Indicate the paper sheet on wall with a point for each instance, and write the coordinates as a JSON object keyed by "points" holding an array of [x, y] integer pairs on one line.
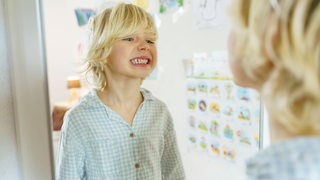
{"points": [[210, 13], [223, 119]]}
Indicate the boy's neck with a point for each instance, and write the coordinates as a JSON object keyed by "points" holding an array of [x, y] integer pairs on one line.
{"points": [[121, 93], [124, 101]]}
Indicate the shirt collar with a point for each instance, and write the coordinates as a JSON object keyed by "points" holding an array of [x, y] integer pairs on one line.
{"points": [[92, 99], [147, 96]]}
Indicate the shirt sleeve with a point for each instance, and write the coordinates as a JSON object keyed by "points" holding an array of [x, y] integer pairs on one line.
{"points": [[71, 154], [171, 164]]}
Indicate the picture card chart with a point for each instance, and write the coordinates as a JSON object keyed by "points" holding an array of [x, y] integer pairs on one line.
{"points": [[223, 119]]}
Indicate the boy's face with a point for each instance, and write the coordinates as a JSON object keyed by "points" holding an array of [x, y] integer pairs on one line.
{"points": [[133, 56]]}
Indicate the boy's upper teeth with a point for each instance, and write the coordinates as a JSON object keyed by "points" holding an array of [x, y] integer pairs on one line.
{"points": [[139, 61]]}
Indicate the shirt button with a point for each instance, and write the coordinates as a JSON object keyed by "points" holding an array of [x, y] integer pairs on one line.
{"points": [[131, 135], [137, 165]]}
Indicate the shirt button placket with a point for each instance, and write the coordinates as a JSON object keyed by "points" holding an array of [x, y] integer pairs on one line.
{"points": [[136, 165]]}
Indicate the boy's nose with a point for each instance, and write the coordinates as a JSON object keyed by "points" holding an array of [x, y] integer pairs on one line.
{"points": [[144, 46]]}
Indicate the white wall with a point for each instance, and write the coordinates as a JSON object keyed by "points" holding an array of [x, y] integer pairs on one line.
{"points": [[61, 34]]}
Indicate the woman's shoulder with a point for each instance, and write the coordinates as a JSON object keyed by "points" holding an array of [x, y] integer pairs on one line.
{"points": [[291, 151]]}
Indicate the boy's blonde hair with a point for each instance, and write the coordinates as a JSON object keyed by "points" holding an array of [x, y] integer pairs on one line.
{"points": [[106, 28], [278, 42]]}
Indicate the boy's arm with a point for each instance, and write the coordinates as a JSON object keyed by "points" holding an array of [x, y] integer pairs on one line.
{"points": [[171, 164], [71, 154]]}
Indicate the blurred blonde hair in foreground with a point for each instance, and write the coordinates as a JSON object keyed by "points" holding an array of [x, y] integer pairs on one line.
{"points": [[278, 44]]}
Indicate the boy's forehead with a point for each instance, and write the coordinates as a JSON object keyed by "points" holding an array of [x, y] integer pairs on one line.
{"points": [[139, 32]]}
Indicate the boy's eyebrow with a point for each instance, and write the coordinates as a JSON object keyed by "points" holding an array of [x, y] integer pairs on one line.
{"points": [[146, 34], [132, 34]]}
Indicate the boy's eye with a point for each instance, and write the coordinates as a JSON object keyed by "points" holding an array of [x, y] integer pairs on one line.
{"points": [[150, 42], [128, 39]]}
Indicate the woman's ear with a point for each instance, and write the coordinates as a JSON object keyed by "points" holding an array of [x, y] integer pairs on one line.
{"points": [[269, 52], [235, 59], [272, 40]]}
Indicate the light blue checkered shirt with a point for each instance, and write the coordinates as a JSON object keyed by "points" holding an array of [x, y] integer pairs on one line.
{"points": [[295, 159], [96, 143]]}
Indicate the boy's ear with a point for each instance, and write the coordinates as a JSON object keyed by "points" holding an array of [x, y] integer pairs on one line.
{"points": [[105, 61]]}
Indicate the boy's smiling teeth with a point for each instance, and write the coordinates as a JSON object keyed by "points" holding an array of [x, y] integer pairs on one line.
{"points": [[139, 61]]}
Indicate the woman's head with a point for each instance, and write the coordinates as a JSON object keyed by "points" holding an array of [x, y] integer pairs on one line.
{"points": [[108, 27], [275, 48]]}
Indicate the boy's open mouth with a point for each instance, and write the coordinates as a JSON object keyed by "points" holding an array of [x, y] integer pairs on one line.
{"points": [[140, 61]]}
